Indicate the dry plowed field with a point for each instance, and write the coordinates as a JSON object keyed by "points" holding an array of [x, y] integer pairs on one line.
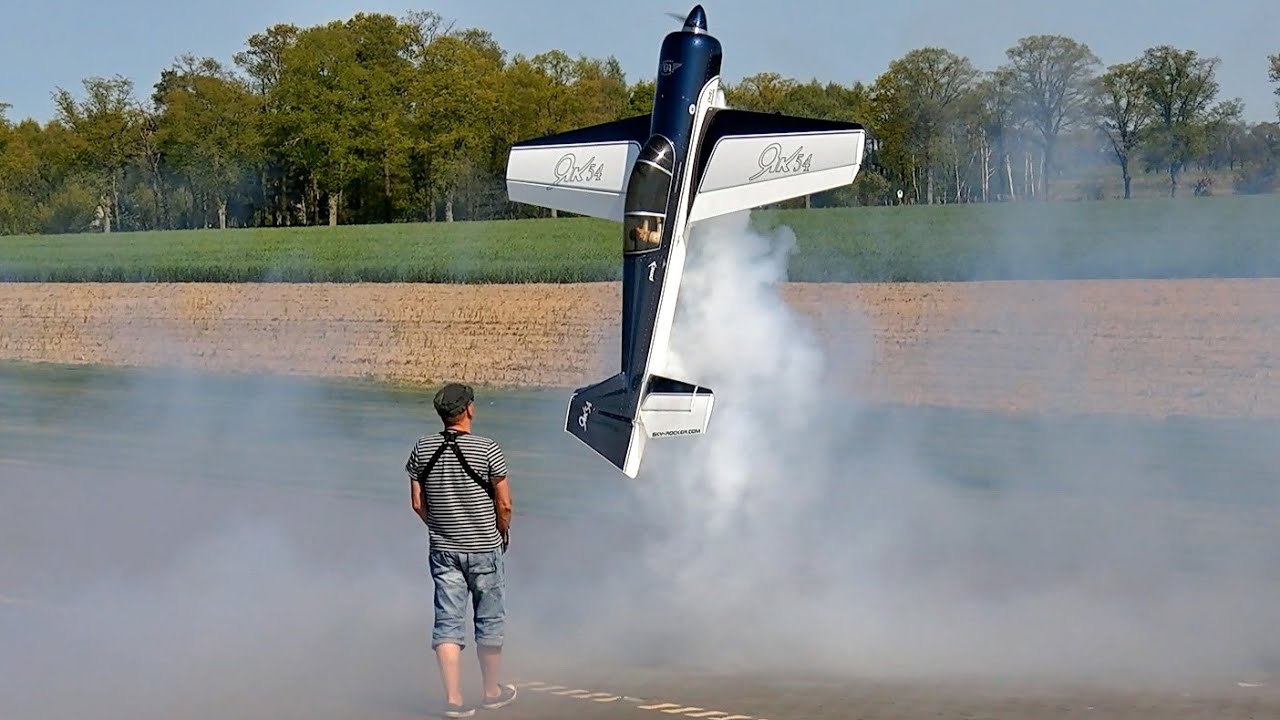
{"points": [[1196, 347]]}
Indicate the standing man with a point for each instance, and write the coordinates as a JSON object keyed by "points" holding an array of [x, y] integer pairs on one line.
{"points": [[458, 482]]}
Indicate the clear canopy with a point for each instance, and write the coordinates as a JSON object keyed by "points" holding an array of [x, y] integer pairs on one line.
{"points": [[644, 215]]}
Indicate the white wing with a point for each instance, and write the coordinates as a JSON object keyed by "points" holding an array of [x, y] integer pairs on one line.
{"points": [[753, 159], [583, 171]]}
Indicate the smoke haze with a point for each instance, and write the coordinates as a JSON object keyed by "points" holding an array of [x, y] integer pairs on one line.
{"points": [[193, 551], [791, 548], [212, 553]]}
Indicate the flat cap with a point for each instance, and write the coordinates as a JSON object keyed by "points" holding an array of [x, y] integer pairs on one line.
{"points": [[453, 399]]}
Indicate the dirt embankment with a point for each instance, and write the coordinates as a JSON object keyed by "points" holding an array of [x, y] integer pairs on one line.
{"points": [[1199, 347]]}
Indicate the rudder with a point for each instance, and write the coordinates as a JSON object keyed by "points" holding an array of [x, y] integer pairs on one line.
{"points": [[674, 407]]}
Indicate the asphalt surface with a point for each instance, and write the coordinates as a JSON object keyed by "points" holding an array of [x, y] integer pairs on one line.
{"points": [[179, 599], [200, 549]]}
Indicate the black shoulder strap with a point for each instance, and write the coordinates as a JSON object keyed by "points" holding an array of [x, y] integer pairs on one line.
{"points": [[451, 441]]}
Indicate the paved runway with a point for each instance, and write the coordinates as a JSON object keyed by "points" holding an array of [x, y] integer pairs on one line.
{"points": [[201, 550], [176, 613]]}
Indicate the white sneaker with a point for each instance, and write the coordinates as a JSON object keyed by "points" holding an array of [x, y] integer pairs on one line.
{"points": [[505, 698]]}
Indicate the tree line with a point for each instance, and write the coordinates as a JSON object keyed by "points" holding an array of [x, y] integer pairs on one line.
{"points": [[381, 119]]}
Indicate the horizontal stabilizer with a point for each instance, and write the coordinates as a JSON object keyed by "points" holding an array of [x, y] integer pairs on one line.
{"points": [[583, 171], [673, 407], [751, 159], [597, 416]]}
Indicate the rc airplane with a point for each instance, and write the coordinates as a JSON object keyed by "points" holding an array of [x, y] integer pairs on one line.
{"points": [[690, 159]]}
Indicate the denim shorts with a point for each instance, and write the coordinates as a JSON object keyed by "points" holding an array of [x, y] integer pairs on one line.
{"points": [[479, 575]]}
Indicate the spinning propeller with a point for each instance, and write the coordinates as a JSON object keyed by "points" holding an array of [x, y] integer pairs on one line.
{"points": [[695, 19]]}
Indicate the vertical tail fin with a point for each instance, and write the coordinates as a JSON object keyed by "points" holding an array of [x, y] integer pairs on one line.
{"points": [[598, 416]]}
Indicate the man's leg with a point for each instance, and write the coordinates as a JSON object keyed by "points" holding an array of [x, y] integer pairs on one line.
{"points": [[448, 658], [490, 666], [447, 637], [488, 587]]}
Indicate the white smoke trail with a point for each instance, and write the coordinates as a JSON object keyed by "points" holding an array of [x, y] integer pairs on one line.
{"points": [[790, 544], [734, 500], [735, 334]]}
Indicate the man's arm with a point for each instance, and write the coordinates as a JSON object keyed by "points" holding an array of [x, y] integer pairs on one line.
{"points": [[502, 506], [417, 499], [501, 491], [413, 466]]}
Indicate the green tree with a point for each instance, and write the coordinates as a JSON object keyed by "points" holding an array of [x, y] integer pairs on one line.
{"points": [[206, 130], [640, 98], [1180, 86], [913, 102], [830, 101], [1273, 74], [602, 88], [47, 193], [384, 50], [1123, 113], [459, 110], [378, 119], [105, 132], [762, 92], [322, 116], [9, 215], [263, 62], [1261, 148], [1051, 76]]}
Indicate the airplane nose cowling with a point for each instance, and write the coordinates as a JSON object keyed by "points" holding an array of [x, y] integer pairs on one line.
{"points": [[697, 20]]}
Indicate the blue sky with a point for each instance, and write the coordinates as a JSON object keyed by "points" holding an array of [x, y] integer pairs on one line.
{"points": [[49, 43]]}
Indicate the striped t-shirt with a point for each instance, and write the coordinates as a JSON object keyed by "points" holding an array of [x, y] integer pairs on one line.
{"points": [[460, 514]]}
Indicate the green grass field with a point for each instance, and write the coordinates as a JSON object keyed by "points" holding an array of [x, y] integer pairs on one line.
{"points": [[1230, 236]]}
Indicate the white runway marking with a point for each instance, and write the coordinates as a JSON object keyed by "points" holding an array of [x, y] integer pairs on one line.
{"points": [[669, 708]]}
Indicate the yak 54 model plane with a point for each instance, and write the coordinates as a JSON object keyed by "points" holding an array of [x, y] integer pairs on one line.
{"points": [[691, 159]]}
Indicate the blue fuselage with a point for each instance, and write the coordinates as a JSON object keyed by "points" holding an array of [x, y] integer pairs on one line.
{"points": [[686, 62]]}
